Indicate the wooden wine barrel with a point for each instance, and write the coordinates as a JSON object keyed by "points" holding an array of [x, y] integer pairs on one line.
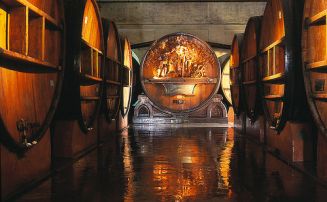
{"points": [[283, 89], [250, 68], [235, 74], [315, 60], [31, 69], [127, 75], [225, 80], [180, 73], [113, 89], [82, 89]]}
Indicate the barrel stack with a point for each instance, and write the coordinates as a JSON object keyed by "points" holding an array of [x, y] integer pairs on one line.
{"points": [[32, 42]]}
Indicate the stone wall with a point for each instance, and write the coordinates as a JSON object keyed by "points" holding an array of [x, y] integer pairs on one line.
{"points": [[211, 21]]}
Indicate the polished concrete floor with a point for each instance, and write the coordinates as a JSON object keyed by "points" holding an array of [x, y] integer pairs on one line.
{"points": [[178, 164]]}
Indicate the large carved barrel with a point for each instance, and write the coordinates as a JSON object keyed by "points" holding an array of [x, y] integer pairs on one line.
{"points": [[283, 89], [250, 68], [180, 73], [82, 92], [235, 74], [127, 76], [315, 59], [112, 70], [31, 69]]}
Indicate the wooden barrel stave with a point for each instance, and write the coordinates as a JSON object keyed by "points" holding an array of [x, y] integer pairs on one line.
{"points": [[30, 86], [314, 59], [82, 90], [283, 88], [112, 70], [250, 69], [235, 74]]}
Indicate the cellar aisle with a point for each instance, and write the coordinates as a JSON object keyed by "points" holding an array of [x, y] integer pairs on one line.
{"points": [[178, 164]]}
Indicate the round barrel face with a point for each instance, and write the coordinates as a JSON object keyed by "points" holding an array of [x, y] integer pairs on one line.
{"points": [[225, 81], [272, 63], [31, 61], [127, 77], [112, 71], [315, 60], [180, 73], [235, 73], [250, 69], [91, 59]]}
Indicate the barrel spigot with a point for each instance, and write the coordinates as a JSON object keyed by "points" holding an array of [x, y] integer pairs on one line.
{"points": [[23, 127]]}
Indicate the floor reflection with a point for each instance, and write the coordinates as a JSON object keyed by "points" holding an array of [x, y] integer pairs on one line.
{"points": [[178, 164]]}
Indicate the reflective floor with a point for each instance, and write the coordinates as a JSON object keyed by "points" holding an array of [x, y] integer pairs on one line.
{"points": [[178, 164]]}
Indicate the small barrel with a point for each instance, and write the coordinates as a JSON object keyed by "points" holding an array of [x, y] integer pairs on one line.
{"points": [[314, 54], [127, 76], [225, 79], [180, 73], [82, 91], [31, 69], [283, 91], [235, 74], [250, 68], [112, 70]]}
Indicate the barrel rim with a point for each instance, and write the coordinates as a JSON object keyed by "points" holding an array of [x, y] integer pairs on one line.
{"points": [[170, 111], [13, 145]]}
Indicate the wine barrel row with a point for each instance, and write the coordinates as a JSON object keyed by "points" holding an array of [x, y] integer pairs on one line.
{"points": [[266, 65], [58, 59]]}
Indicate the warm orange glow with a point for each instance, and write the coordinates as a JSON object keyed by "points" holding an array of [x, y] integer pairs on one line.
{"points": [[91, 28], [128, 167], [225, 160], [182, 175], [179, 56]]}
